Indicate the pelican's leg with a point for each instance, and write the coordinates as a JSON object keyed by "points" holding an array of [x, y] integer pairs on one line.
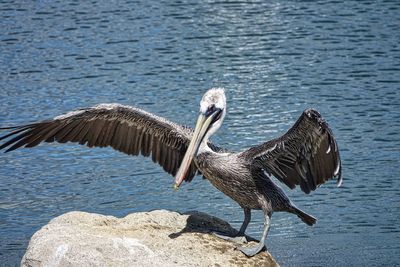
{"points": [[251, 251], [239, 237], [247, 218]]}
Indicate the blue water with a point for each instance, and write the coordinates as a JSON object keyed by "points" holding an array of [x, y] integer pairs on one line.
{"points": [[275, 59]]}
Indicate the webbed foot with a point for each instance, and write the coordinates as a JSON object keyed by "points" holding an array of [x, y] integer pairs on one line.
{"points": [[251, 251]]}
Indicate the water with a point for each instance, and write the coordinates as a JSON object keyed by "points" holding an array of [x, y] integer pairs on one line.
{"points": [[275, 59]]}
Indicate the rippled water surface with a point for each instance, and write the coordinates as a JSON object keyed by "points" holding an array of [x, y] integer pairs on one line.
{"points": [[275, 59]]}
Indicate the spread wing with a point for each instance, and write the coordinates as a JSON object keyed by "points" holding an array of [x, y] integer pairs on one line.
{"points": [[126, 129], [307, 155]]}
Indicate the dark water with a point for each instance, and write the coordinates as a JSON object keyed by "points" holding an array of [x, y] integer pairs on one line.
{"points": [[274, 59]]}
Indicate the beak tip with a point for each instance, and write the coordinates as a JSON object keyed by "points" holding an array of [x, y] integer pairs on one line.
{"points": [[176, 187]]}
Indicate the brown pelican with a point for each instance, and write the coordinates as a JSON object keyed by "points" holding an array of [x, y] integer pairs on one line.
{"points": [[307, 155]]}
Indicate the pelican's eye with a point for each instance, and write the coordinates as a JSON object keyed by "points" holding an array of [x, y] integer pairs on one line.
{"points": [[218, 116], [210, 110]]}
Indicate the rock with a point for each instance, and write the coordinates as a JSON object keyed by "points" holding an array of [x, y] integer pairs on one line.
{"points": [[156, 238]]}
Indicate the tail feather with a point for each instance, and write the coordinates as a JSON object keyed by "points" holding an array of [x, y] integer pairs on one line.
{"points": [[308, 219]]}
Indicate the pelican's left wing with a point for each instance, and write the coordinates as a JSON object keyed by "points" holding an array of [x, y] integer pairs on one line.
{"points": [[124, 128], [307, 155]]}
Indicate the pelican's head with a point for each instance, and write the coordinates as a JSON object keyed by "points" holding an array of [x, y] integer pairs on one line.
{"points": [[212, 113], [213, 104]]}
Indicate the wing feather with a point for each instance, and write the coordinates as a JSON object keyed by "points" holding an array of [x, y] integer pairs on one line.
{"points": [[127, 129], [307, 155]]}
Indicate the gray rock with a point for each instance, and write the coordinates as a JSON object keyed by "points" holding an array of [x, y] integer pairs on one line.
{"points": [[156, 238]]}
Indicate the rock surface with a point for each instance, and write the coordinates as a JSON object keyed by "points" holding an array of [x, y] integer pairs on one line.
{"points": [[157, 238]]}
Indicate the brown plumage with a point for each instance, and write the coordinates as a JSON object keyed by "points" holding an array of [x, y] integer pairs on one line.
{"points": [[126, 129], [307, 155]]}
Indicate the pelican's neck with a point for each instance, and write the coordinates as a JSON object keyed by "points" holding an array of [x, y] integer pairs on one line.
{"points": [[204, 148]]}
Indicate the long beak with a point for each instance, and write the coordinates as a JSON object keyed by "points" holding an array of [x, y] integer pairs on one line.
{"points": [[202, 125]]}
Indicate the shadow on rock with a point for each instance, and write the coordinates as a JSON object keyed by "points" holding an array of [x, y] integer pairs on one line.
{"points": [[199, 222]]}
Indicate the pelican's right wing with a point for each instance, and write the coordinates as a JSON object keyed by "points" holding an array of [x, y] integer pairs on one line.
{"points": [[124, 128], [307, 155]]}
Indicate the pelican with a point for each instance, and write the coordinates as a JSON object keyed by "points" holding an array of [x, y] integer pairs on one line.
{"points": [[306, 155]]}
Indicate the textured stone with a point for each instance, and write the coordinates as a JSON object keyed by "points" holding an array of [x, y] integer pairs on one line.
{"points": [[156, 238]]}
